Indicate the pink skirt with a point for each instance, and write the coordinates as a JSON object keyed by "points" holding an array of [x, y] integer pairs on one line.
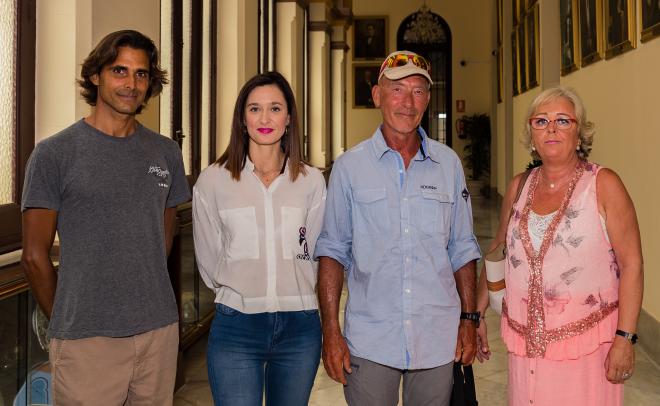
{"points": [[543, 382]]}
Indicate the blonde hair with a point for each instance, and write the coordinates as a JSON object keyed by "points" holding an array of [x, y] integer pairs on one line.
{"points": [[586, 128]]}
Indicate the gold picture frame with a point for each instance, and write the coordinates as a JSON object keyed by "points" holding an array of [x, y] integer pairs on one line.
{"points": [[590, 14], [515, 11], [522, 57], [620, 27], [532, 47], [650, 19], [500, 22], [515, 76], [569, 36], [500, 74]]}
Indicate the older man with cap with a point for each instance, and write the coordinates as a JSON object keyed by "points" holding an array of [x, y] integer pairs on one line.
{"points": [[398, 220]]}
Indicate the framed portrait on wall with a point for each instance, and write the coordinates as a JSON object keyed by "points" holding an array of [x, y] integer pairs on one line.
{"points": [[370, 38], [522, 58], [515, 76], [364, 78], [591, 40], [532, 42], [620, 26], [569, 37], [650, 19]]}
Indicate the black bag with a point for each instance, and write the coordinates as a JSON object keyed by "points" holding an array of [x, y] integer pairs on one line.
{"points": [[463, 392]]}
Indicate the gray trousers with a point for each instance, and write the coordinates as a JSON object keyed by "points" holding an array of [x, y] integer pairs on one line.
{"points": [[372, 384]]}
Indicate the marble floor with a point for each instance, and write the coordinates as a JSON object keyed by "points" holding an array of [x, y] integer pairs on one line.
{"points": [[643, 389]]}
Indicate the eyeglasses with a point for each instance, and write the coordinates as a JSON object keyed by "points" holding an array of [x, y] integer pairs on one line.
{"points": [[541, 123], [397, 60]]}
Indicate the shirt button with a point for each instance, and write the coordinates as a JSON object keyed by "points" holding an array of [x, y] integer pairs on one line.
{"points": [[400, 170], [408, 322], [531, 372], [405, 199], [407, 259], [405, 230], [407, 290]]}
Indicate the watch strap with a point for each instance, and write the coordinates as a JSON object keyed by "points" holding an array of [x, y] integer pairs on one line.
{"points": [[474, 316], [632, 337]]}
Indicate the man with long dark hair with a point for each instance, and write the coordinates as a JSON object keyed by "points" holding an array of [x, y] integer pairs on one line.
{"points": [[109, 187]]}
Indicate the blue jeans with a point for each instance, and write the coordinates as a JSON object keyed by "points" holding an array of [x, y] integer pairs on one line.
{"points": [[247, 352]]}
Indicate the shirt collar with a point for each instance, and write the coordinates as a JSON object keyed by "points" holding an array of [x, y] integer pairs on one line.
{"points": [[249, 165], [380, 146]]}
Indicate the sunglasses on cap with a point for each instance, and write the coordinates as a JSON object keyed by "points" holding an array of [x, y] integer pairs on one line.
{"points": [[398, 60]]}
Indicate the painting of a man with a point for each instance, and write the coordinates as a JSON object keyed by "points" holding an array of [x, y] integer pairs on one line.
{"points": [[365, 79], [369, 38]]}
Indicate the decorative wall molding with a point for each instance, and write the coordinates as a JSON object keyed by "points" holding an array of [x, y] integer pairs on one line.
{"points": [[302, 3], [339, 45], [320, 26]]}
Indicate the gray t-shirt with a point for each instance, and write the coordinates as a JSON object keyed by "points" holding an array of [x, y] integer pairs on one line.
{"points": [[110, 194]]}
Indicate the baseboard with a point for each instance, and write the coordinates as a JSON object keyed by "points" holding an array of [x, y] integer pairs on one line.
{"points": [[649, 335]]}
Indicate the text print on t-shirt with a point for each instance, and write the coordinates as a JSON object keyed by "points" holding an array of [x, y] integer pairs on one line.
{"points": [[162, 174]]}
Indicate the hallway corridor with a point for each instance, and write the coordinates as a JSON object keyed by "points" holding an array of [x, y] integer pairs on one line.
{"points": [[643, 389]]}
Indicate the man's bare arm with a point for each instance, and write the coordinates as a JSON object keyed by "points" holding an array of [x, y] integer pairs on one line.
{"points": [[335, 351], [466, 285], [39, 226]]}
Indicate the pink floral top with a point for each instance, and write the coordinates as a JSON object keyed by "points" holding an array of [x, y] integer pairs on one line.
{"points": [[561, 302]]}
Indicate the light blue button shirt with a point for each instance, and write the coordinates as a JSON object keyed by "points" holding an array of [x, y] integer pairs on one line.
{"points": [[400, 234]]}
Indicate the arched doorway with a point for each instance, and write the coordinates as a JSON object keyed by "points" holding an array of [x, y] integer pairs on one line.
{"points": [[428, 34]]}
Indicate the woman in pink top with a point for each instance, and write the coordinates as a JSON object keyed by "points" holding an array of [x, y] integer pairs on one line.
{"points": [[573, 272]]}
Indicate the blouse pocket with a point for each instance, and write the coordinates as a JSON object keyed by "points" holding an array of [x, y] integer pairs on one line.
{"points": [[240, 233], [294, 233], [371, 215]]}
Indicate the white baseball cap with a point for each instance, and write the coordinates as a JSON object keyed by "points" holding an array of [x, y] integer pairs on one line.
{"points": [[401, 64]]}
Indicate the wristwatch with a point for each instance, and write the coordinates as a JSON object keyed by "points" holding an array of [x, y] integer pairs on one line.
{"points": [[475, 317], [632, 337]]}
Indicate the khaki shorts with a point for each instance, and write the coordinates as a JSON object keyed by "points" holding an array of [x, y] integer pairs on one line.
{"points": [[135, 370]]}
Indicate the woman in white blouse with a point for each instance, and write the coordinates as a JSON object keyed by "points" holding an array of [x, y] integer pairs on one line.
{"points": [[257, 213]]}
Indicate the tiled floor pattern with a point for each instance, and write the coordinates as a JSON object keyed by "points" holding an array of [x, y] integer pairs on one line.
{"points": [[643, 389]]}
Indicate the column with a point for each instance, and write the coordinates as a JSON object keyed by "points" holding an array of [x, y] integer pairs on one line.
{"points": [[338, 56], [237, 43], [289, 47], [319, 83]]}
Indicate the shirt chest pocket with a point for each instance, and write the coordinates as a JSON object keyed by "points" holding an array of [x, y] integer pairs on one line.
{"points": [[371, 215], [240, 234], [431, 212]]}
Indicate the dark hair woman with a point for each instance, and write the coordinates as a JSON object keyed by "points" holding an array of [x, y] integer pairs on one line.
{"points": [[257, 213]]}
